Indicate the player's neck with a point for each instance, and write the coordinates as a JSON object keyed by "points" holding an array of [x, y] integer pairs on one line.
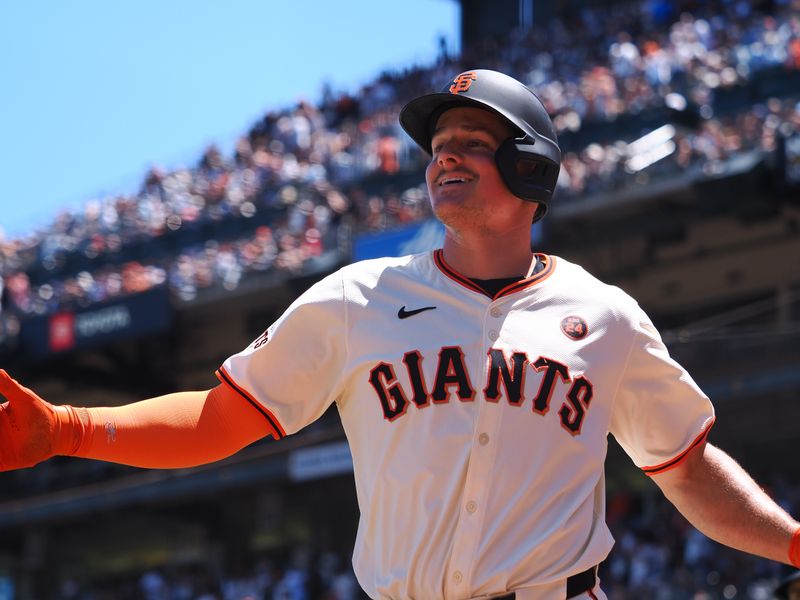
{"points": [[488, 258]]}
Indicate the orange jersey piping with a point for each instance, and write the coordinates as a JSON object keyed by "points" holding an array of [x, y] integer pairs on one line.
{"points": [[226, 378], [549, 266], [672, 463]]}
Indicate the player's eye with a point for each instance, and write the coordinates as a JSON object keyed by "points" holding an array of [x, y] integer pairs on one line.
{"points": [[477, 143]]}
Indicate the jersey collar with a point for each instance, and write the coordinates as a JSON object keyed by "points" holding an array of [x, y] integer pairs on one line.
{"points": [[549, 263]]}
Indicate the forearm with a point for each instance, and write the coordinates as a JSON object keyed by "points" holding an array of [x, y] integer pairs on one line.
{"points": [[183, 429], [719, 498]]}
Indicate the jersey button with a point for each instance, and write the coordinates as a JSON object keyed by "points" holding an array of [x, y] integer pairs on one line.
{"points": [[493, 335], [472, 506], [496, 312], [483, 439], [458, 577]]}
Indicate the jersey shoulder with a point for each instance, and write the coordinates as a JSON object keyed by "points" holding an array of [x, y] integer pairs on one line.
{"points": [[350, 283], [365, 268], [576, 284], [368, 272]]}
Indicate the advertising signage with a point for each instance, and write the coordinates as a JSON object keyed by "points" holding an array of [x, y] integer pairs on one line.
{"points": [[127, 318]]}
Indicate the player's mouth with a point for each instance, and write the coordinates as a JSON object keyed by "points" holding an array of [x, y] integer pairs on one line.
{"points": [[452, 180]]}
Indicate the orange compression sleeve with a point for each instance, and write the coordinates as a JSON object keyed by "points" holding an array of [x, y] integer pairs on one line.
{"points": [[794, 549], [178, 430]]}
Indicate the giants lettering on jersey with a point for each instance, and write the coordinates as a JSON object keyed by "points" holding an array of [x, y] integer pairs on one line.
{"points": [[505, 378]]}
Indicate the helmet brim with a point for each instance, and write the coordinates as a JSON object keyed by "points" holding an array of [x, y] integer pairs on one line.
{"points": [[418, 117]]}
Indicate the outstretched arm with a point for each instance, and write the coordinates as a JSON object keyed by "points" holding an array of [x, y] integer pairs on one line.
{"points": [[719, 498], [183, 429]]}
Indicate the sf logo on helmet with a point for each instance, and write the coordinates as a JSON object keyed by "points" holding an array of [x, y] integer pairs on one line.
{"points": [[462, 82]]}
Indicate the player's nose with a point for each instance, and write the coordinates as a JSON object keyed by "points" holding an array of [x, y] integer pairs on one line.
{"points": [[448, 152]]}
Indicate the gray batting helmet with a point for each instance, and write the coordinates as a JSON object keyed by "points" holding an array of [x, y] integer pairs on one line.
{"points": [[529, 163]]}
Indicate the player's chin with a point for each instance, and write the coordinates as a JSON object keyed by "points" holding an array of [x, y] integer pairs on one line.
{"points": [[451, 194], [444, 206], [456, 212]]}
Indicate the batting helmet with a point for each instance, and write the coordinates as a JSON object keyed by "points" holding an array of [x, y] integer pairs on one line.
{"points": [[529, 163]]}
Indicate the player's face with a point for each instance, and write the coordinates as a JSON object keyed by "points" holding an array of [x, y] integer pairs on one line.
{"points": [[464, 185]]}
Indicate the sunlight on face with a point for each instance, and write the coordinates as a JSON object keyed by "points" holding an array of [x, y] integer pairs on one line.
{"points": [[466, 189]]}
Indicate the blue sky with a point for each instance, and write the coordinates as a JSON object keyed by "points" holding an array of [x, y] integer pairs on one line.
{"points": [[93, 92]]}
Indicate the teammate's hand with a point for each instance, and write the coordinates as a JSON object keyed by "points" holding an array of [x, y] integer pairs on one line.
{"points": [[30, 427]]}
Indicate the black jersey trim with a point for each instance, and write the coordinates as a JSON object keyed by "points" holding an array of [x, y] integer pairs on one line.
{"points": [[671, 464], [549, 263], [549, 266], [438, 259], [225, 377]]}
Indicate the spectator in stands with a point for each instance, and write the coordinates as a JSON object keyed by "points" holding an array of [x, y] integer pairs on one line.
{"points": [[600, 75], [185, 417], [686, 59]]}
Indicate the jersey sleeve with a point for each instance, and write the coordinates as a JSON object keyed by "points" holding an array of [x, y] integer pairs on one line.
{"points": [[292, 372], [659, 413]]}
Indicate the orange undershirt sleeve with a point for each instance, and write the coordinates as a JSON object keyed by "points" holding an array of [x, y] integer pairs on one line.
{"points": [[794, 549], [183, 429]]}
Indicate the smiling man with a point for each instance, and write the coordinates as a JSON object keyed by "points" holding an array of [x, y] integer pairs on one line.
{"points": [[466, 189], [477, 385]]}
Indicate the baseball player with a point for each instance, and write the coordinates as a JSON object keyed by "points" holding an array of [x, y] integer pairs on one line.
{"points": [[476, 384]]}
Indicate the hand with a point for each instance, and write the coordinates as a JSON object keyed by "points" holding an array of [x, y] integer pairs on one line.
{"points": [[30, 427]]}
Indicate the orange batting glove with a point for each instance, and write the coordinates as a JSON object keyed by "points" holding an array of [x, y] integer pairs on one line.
{"points": [[32, 429]]}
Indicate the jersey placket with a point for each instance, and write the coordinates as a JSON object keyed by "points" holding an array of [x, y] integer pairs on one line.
{"points": [[477, 482]]}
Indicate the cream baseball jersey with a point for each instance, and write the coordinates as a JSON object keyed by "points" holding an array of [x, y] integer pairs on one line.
{"points": [[477, 425]]}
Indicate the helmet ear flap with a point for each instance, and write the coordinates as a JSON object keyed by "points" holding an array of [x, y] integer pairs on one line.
{"points": [[528, 175]]}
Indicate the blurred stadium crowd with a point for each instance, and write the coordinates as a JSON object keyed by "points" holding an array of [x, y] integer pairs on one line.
{"points": [[296, 575], [657, 555], [304, 177], [302, 173]]}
